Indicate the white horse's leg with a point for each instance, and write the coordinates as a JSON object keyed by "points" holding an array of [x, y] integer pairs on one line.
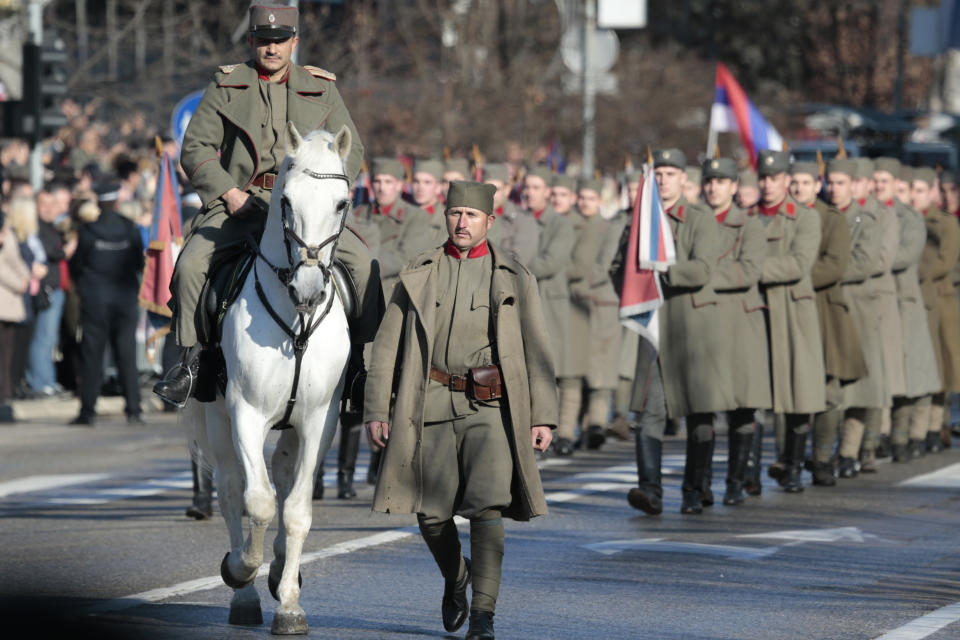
{"points": [[282, 467], [239, 567], [297, 517]]}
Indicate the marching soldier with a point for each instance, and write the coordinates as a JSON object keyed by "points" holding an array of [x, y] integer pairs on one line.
{"points": [[748, 193], [911, 410], [515, 230], [454, 169], [232, 150], [950, 199], [464, 328], [842, 356], [796, 354], [692, 187], [427, 186], [735, 279], [904, 185]]}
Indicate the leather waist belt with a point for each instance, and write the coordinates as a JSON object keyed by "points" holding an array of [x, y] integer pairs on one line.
{"points": [[265, 181], [480, 383]]}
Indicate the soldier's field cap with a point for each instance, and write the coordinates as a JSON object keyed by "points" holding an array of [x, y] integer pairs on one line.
{"points": [[864, 168], [271, 22], [748, 178], [471, 194], [948, 177], [771, 163], [564, 182], [431, 167], [634, 177], [387, 167], [846, 166], [669, 158], [925, 174], [808, 168], [694, 175], [496, 171], [457, 165], [590, 184], [719, 168], [890, 165], [541, 172]]}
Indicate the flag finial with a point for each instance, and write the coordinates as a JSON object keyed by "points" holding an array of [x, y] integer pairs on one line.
{"points": [[841, 152], [821, 167], [446, 153], [783, 145], [159, 144], [649, 157], [716, 151]]}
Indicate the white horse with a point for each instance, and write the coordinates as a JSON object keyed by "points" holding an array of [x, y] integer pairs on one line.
{"points": [[291, 285]]}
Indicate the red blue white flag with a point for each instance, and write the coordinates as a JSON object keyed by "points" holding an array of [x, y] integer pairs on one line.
{"points": [[732, 111]]}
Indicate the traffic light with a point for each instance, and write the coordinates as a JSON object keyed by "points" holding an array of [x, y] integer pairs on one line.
{"points": [[44, 85]]}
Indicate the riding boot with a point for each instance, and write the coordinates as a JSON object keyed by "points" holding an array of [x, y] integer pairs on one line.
{"points": [[706, 492], [444, 543], [181, 381], [751, 476], [374, 469], [347, 459], [693, 473], [648, 495], [794, 449], [318, 482], [202, 507], [740, 447]]}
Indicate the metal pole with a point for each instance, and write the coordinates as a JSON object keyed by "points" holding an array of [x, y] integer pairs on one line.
{"points": [[589, 90], [295, 57], [35, 25], [901, 28]]}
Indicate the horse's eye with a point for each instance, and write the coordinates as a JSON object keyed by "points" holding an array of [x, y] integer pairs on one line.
{"points": [[342, 206]]}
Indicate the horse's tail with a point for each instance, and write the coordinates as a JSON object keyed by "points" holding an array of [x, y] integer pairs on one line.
{"points": [[192, 419]]}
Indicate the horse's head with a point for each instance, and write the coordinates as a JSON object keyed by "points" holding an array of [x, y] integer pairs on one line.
{"points": [[313, 207]]}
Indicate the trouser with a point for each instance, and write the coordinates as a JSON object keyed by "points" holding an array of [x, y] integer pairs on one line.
{"points": [[652, 420], [41, 373], [598, 406], [910, 419], [826, 423], [115, 321], [938, 407], [8, 332], [621, 397], [21, 348], [873, 428], [350, 427], [855, 424]]}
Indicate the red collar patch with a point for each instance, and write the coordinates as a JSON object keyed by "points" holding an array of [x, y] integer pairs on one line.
{"points": [[263, 76], [538, 214], [791, 210], [676, 211], [476, 252]]}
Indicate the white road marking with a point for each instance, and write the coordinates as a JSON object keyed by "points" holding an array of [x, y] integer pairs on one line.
{"points": [[668, 546], [145, 488], [852, 534], [925, 625], [946, 478], [45, 483]]}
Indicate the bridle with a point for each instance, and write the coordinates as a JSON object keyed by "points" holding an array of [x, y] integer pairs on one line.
{"points": [[309, 257]]}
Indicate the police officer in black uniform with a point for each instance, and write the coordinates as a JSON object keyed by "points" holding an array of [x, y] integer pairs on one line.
{"points": [[106, 268]]}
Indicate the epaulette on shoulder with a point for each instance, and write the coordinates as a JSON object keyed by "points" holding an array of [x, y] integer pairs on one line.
{"points": [[317, 72], [228, 68]]}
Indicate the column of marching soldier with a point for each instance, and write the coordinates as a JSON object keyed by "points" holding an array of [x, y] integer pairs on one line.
{"points": [[835, 313]]}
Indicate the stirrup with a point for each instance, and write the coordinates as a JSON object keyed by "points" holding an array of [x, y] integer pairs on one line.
{"points": [[169, 375]]}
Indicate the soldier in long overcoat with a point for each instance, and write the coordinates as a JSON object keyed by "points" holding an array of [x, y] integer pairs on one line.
{"points": [[796, 354], [463, 350], [515, 229], [736, 280]]}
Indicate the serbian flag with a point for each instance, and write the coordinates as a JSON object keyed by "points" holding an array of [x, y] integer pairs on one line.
{"points": [[732, 111], [166, 237], [650, 250]]}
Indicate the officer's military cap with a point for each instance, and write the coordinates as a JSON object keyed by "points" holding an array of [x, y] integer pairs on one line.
{"points": [[457, 165], [694, 175], [864, 168], [432, 167], [564, 182], [387, 167], [905, 174], [808, 168], [846, 166], [591, 184], [890, 165], [719, 168], [948, 177], [272, 22], [748, 178], [543, 173], [496, 171], [475, 195], [669, 158], [925, 174], [770, 162]]}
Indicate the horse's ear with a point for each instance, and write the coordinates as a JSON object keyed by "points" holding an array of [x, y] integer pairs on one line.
{"points": [[292, 139], [343, 141]]}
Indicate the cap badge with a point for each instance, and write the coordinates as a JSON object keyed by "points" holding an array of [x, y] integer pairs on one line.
{"points": [[271, 18], [666, 155], [714, 165], [769, 160]]}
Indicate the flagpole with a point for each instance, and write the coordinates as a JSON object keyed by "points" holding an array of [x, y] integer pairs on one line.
{"points": [[711, 132]]}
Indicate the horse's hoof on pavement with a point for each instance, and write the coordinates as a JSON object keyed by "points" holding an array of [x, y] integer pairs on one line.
{"points": [[229, 580], [274, 584], [247, 614], [289, 624]]}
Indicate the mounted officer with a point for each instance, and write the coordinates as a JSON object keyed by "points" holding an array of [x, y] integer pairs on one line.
{"points": [[232, 150]]}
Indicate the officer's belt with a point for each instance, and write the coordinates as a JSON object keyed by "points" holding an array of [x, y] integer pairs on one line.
{"points": [[265, 181], [480, 383], [456, 382]]}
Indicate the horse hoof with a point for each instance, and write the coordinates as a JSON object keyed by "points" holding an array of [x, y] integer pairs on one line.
{"points": [[247, 614], [289, 624], [229, 580], [275, 584]]}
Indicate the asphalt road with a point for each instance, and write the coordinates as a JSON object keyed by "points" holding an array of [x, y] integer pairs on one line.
{"points": [[95, 544]]}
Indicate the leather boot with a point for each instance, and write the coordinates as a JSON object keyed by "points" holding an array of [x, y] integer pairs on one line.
{"points": [[916, 448], [900, 452], [847, 468], [595, 437], [202, 507], [868, 461], [374, 467], [739, 450], [795, 445], [751, 475], [946, 437], [181, 381], [481, 626], [706, 492], [823, 474], [347, 460], [648, 495], [563, 447], [345, 489], [933, 444], [884, 447], [693, 474]]}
